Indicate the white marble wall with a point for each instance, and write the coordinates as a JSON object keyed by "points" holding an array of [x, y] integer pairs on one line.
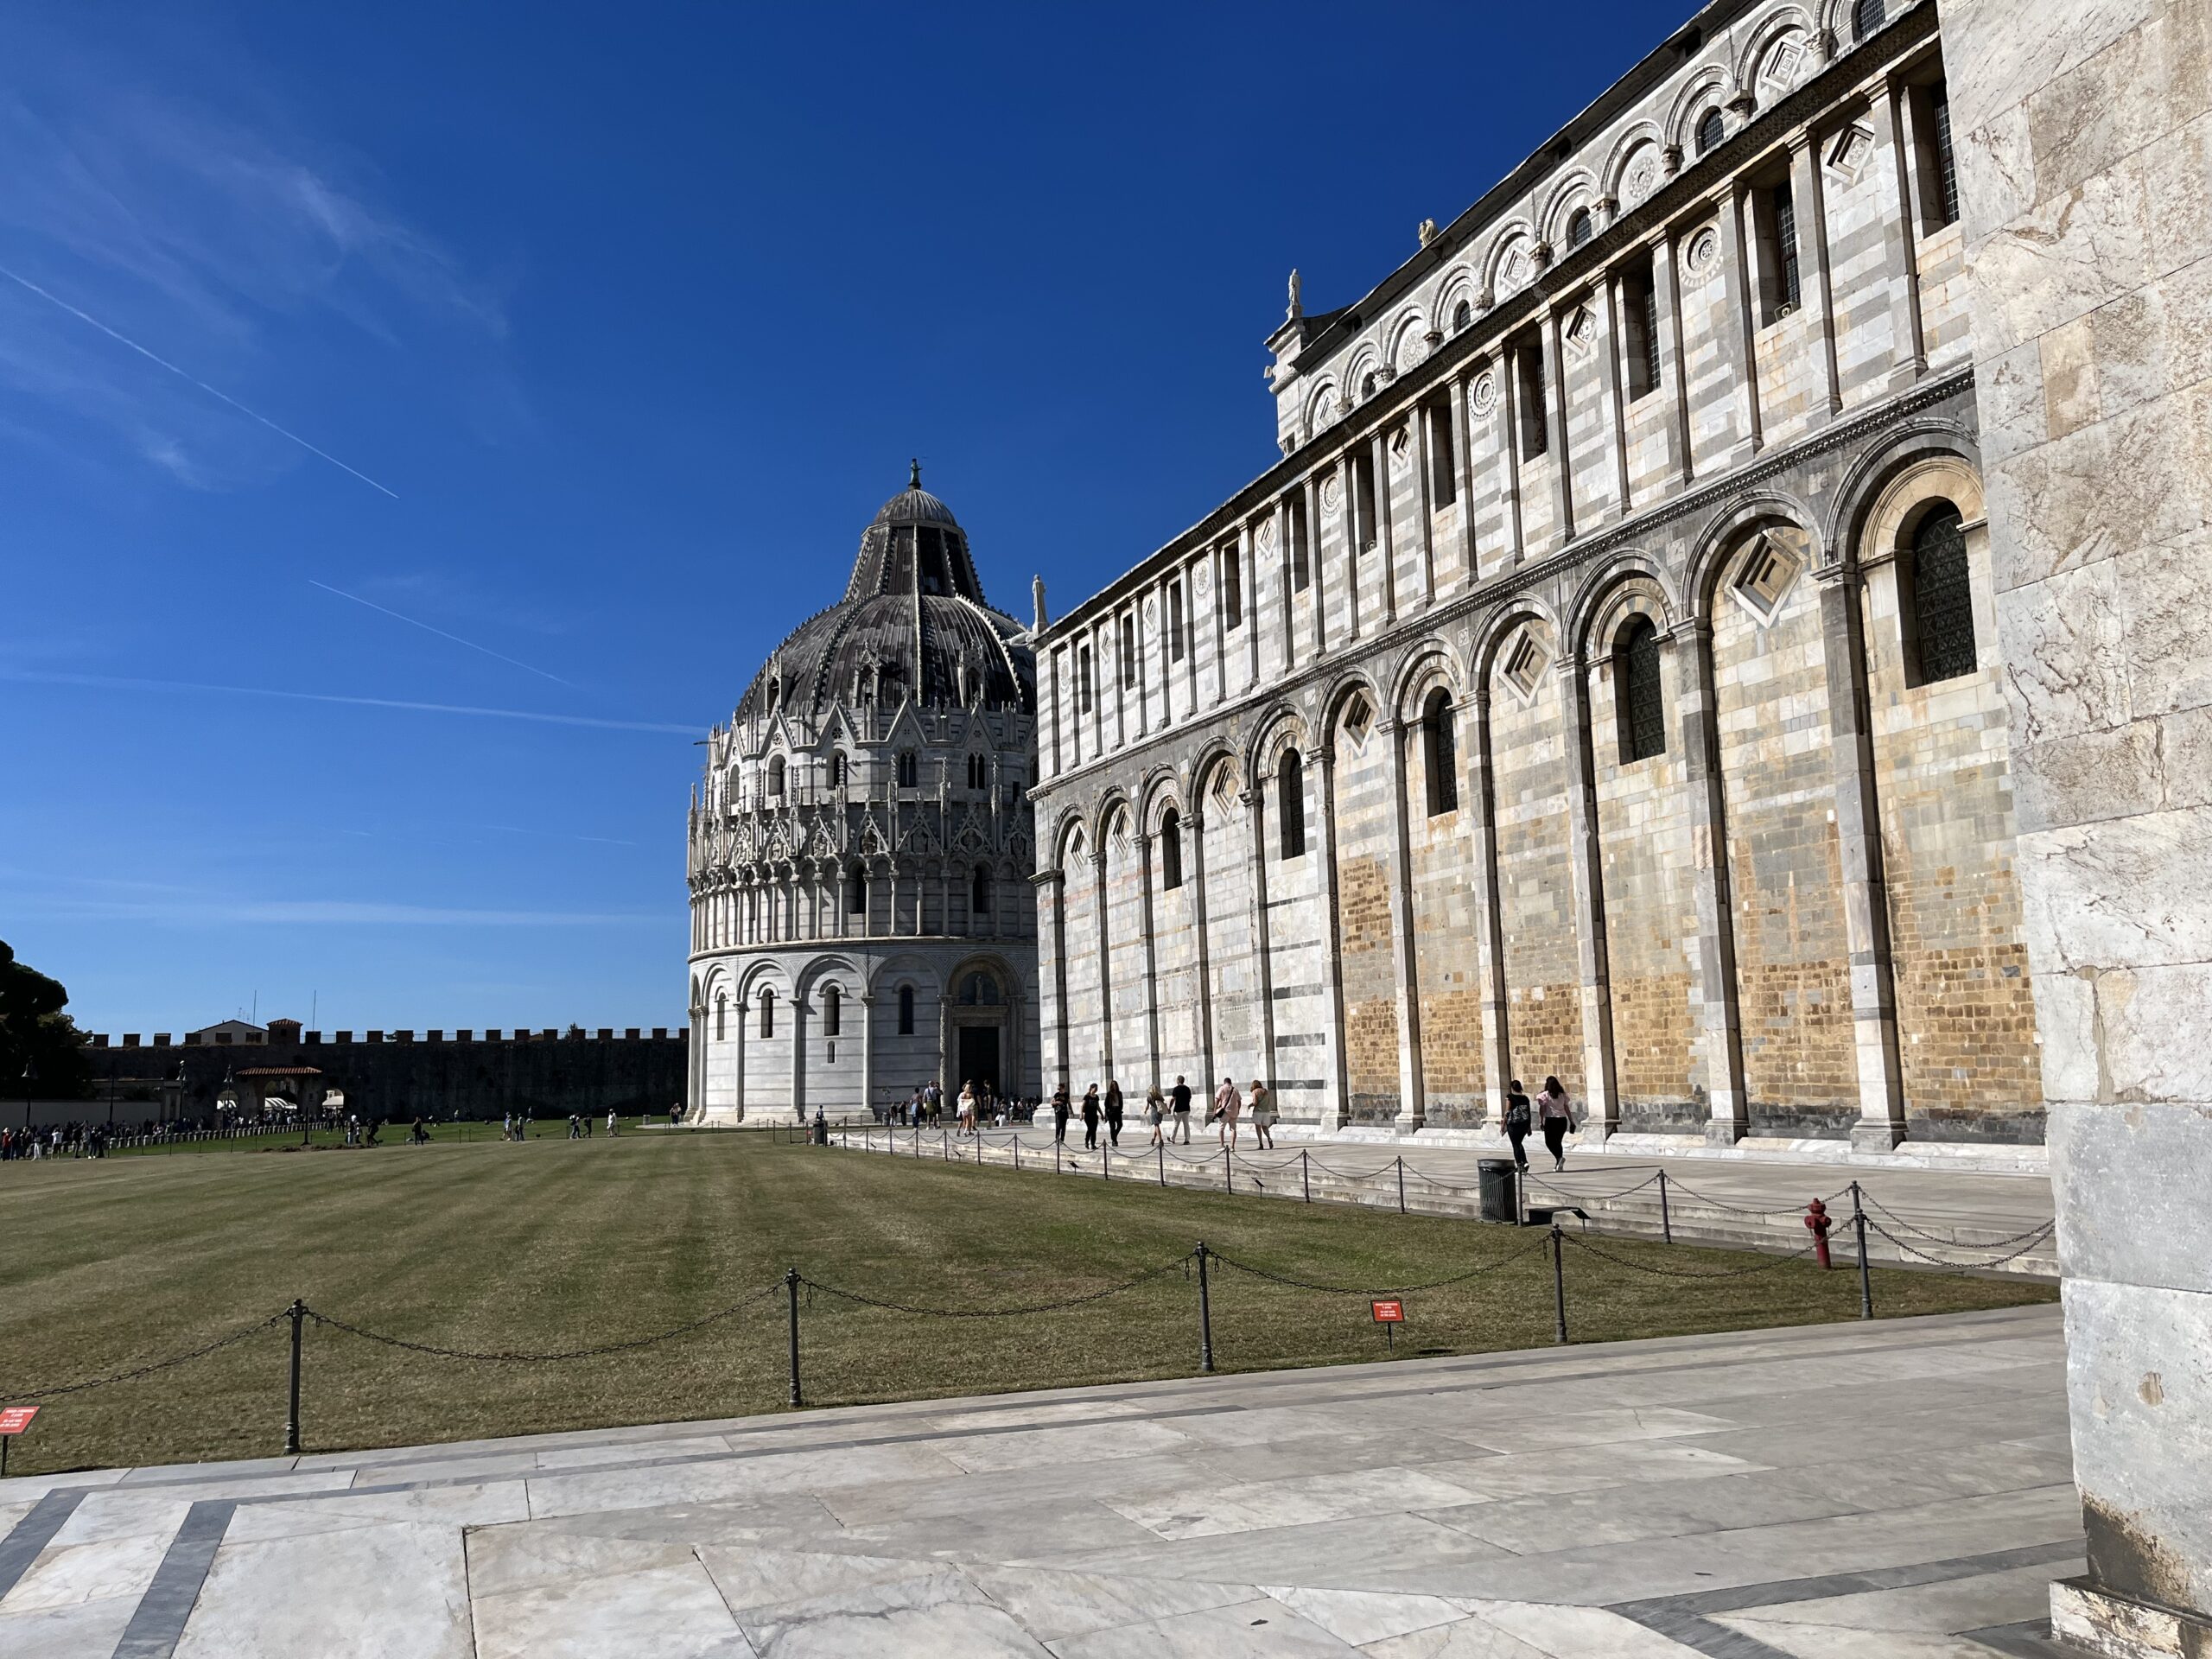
{"points": [[2086, 158]]}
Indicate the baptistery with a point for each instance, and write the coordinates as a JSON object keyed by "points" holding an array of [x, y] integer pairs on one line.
{"points": [[861, 847]]}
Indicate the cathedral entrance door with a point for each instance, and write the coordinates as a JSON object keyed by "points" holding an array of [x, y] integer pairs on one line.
{"points": [[979, 1058]]}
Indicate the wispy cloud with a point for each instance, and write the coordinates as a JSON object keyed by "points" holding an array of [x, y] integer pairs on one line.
{"points": [[441, 633], [118, 682], [226, 235], [153, 357]]}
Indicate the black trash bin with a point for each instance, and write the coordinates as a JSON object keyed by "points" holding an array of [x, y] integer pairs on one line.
{"points": [[821, 1133], [1499, 1176]]}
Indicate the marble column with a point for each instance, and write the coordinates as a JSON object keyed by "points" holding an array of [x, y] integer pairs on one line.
{"points": [[1194, 849], [1386, 548], [1321, 766], [1601, 1096], [1808, 186], [1739, 337], [1667, 291], [1264, 970], [1463, 449], [1555, 423], [1713, 1006], [1865, 893], [1105, 965], [1900, 238], [1052, 886], [1404, 959], [1145, 926], [1490, 933]]}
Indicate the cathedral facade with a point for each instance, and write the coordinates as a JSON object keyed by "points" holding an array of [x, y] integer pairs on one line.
{"points": [[860, 850], [1604, 683]]}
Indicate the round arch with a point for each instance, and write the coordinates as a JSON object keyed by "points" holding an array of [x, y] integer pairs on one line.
{"points": [[1872, 477], [1588, 614], [1725, 535]]}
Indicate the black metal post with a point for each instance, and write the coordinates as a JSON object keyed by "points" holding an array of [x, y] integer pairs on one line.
{"points": [[1666, 1221], [1865, 1278], [1401, 1185], [298, 1314], [791, 1290], [1163, 1163], [1105, 1168], [1228, 1170], [1305, 1175], [1559, 1285], [1205, 1315], [1017, 1148]]}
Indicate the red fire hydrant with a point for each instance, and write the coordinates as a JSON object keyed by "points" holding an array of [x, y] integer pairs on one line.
{"points": [[1816, 1218]]}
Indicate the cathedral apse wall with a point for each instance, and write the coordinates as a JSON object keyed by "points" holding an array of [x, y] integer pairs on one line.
{"points": [[1655, 474]]}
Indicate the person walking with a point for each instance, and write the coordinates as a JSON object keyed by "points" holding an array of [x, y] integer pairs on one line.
{"points": [[1181, 1097], [1558, 1120], [1517, 1119], [1262, 1106], [1090, 1117], [1060, 1113], [613, 1123], [1155, 1111], [1113, 1112], [1227, 1106]]}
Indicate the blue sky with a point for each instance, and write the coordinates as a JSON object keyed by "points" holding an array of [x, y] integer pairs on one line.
{"points": [[361, 365]]}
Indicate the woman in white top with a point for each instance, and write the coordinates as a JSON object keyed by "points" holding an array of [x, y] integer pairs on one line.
{"points": [[968, 1107], [1557, 1116]]}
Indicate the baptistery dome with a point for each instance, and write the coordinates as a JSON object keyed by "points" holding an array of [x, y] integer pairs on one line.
{"points": [[859, 847], [913, 625]]}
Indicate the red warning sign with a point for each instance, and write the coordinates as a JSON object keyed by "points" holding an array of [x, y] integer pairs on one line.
{"points": [[1389, 1312], [14, 1419]]}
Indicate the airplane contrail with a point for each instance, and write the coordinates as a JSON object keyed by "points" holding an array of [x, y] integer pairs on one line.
{"points": [[117, 683], [151, 357], [441, 633]]}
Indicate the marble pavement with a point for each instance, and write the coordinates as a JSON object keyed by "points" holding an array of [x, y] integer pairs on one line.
{"points": [[1899, 1489]]}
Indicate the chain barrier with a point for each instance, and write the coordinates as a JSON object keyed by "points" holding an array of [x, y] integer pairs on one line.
{"points": [[152, 1366], [1904, 1225], [1145, 1277], [1766, 1265], [1675, 1185], [1591, 1197], [510, 1356], [1532, 1245], [2034, 1240]]}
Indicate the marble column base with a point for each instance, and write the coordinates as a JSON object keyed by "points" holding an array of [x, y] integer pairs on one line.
{"points": [[2099, 1621], [1869, 1135]]}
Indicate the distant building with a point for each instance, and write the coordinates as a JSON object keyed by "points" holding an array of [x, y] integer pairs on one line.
{"points": [[860, 852]]}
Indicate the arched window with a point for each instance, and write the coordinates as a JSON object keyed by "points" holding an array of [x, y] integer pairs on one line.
{"points": [[1366, 387], [909, 769], [1865, 18], [976, 768], [1290, 803], [1710, 129], [776, 777], [1938, 605], [722, 1015], [837, 770], [1440, 753], [1639, 702], [1462, 315], [767, 1011], [833, 1010], [856, 892], [979, 892], [906, 1010], [1578, 229], [1170, 849]]}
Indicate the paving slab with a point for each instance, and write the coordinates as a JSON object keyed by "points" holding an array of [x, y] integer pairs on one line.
{"points": [[1891, 1488]]}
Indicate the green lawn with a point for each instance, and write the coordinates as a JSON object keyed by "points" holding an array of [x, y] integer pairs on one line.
{"points": [[551, 1245]]}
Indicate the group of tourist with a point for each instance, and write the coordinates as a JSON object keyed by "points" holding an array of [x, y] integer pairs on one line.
{"points": [[1551, 1109], [1167, 1113], [977, 1106], [59, 1140]]}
